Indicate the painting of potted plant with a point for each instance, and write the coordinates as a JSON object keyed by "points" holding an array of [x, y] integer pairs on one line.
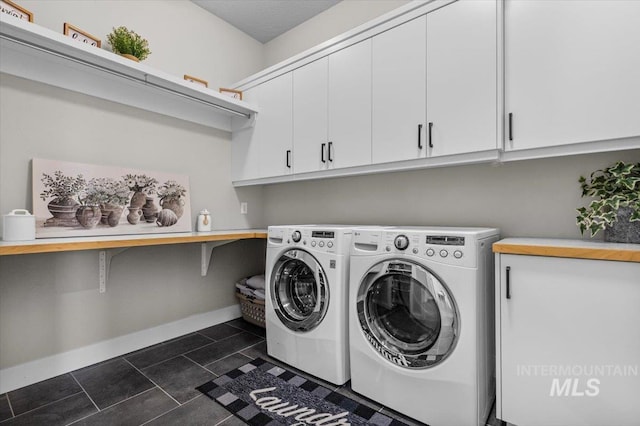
{"points": [[112, 195], [616, 209], [142, 187], [172, 195], [98, 194], [129, 44], [63, 190]]}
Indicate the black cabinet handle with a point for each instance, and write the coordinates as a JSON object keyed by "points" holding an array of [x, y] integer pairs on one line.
{"points": [[508, 273], [329, 150], [322, 153], [430, 137], [510, 126], [419, 136], [289, 158]]}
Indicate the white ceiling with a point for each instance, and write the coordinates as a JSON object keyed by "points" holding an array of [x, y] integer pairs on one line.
{"points": [[264, 20]]}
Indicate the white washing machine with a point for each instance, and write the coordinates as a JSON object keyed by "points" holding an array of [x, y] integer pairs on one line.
{"points": [[421, 321], [307, 269]]}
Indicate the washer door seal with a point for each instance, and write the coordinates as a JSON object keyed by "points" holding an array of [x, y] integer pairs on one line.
{"points": [[407, 314], [299, 290]]}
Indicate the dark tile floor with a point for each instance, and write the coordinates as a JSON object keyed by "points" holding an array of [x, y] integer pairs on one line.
{"points": [[152, 386]]}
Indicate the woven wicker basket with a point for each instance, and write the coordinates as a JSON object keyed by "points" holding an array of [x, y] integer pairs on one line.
{"points": [[252, 309]]}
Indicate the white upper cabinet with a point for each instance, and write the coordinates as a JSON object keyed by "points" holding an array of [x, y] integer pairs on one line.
{"points": [[572, 72], [349, 112], [265, 149], [399, 92], [310, 116], [274, 126], [461, 78]]}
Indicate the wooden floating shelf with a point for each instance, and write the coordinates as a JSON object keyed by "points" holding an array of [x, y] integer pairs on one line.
{"points": [[577, 249], [50, 245]]}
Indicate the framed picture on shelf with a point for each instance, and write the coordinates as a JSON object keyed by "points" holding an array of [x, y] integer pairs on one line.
{"points": [[196, 80], [77, 34], [10, 8], [235, 94]]}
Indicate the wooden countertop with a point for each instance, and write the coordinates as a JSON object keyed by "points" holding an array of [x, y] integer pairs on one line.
{"points": [[577, 249], [48, 245]]}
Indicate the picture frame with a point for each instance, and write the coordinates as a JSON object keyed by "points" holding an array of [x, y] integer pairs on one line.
{"points": [[11, 8], [80, 35], [195, 80], [235, 94]]}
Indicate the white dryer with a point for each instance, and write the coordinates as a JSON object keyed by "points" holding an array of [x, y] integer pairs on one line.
{"points": [[307, 268], [421, 321]]}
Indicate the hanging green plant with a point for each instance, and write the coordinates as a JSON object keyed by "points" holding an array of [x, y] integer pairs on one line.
{"points": [[126, 42], [616, 188]]}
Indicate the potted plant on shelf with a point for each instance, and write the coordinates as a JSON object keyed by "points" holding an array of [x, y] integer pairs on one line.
{"points": [[171, 195], [128, 44], [63, 189], [112, 195], [616, 209]]}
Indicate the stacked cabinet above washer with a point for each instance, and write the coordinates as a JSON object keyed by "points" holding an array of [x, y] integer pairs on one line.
{"points": [[567, 339]]}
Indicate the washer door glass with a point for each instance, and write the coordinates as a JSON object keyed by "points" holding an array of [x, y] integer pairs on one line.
{"points": [[407, 314], [299, 291]]}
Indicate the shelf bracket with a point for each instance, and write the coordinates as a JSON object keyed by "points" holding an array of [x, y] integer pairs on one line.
{"points": [[206, 250], [104, 259]]}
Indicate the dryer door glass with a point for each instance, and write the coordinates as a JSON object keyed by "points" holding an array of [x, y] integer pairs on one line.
{"points": [[299, 290], [407, 314]]}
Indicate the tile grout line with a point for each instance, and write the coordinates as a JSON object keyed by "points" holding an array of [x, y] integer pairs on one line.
{"points": [[223, 420], [85, 391], [42, 406], [154, 383], [10, 406]]}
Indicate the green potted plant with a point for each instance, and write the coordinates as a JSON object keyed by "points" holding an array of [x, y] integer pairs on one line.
{"points": [[64, 190], [616, 209], [171, 195], [128, 44]]}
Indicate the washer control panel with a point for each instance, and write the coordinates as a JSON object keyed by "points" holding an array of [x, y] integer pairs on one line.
{"points": [[443, 248], [320, 240]]}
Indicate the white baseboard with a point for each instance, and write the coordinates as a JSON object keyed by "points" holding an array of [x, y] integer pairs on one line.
{"points": [[35, 371]]}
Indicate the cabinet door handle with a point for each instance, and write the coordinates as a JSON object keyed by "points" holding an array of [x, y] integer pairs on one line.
{"points": [[329, 150], [430, 137], [510, 126], [322, 153], [508, 276], [288, 158], [419, 136]]}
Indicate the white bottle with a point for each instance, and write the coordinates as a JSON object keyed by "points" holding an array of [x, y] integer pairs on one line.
{"points": [[204, 221]]}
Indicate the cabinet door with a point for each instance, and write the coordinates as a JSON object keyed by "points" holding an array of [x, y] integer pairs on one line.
{"points": [[399, 92], [274, 126], [461, 78], [245, 149], [567, 324], [350, 106], [310, 116], [571, 71]]}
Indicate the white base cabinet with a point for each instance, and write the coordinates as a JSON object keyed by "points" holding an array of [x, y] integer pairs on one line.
{"points": [[568, 341]]}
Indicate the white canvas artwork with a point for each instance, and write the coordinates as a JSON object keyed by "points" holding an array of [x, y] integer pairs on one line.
{"points": [[75, 199]]}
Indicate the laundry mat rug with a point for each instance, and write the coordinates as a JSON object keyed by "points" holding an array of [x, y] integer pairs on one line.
{"points": [[260, 393]]}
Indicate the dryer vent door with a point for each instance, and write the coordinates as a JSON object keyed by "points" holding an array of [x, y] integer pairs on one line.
{"points": [[407, 314], [299, 291]]}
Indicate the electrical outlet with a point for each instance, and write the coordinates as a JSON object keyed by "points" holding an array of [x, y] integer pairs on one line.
{"points": [[243, 208]]}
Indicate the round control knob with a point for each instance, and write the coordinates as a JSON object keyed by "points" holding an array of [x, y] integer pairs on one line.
{"points": [[444, 253], [388, 248], [321, 243], [415, 250], [329, 244], [430, 252], [401, 242], [313, 243], [296, 236], [457, 254]]}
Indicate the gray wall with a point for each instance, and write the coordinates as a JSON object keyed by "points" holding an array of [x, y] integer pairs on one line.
{"points": [[50, 303]]}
